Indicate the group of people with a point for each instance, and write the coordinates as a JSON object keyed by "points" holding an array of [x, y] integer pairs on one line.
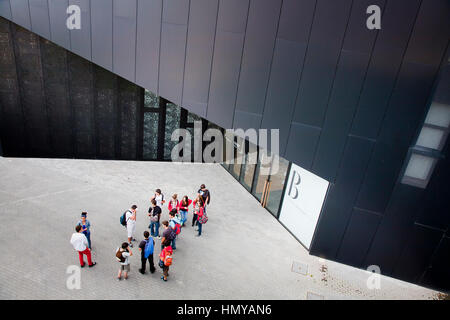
{"points": [[178, 217]]}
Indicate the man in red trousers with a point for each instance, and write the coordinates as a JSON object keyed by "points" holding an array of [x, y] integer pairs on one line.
{"points": [[80, 244]]}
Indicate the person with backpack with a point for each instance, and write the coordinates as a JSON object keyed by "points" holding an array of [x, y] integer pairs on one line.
{"points": [[85, 225], [197, 204], [175, 225], [174, 203], [167, 236], [123, 255], [159, 197], [147, 247], [202, 218], [184, 207], [165, 261], [80, 244], [128, 219], [154, 212], [205, 194]]}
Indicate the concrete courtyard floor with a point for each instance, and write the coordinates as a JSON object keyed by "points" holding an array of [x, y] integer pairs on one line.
{"points": [[244, 253]]}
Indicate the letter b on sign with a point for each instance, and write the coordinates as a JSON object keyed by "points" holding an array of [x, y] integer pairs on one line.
{"points": [[295, 181]]}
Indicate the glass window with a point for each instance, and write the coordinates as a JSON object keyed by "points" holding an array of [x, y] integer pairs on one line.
{"points": [[228, 143], [172, 123], [277, 182], [151, 100], [239, 149], [432, 138], [248, 172], [419, 170], [439, 115], [260, 178], [192, 117], [150, 143]]}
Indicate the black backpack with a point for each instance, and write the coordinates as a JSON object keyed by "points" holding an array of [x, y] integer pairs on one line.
{"points": [[173, 233]]}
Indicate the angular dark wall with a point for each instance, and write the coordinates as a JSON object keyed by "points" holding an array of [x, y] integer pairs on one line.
{"points": [[310, 68], [370, 217], [57, 104], [348, 101]]}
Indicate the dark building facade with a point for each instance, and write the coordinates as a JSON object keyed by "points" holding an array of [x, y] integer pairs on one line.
{"points": [[366, 110]]}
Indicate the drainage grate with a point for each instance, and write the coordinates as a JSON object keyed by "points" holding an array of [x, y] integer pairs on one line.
{"points": [[300, 267], [313, 296]]}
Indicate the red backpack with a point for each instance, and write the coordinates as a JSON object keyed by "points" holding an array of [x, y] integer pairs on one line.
{"points": [[168, 260], [177, 228]]}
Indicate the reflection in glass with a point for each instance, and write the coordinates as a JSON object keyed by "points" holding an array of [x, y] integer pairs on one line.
{"points": [[172, 123], [247, 174], [151, 100], [239, 149], [276, 187], [150, 143], [261, 179]]}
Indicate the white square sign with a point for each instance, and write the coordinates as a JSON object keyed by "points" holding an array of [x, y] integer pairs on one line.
{"points": [[302, 204]]}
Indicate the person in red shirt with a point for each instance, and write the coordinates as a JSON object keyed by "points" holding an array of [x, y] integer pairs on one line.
{"points": [[165, 261], [184, 208], [197, 204], [174, 203]]}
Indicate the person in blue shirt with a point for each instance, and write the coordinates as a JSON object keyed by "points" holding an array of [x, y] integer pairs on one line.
{"points": [[173, 221], [85, 225]]}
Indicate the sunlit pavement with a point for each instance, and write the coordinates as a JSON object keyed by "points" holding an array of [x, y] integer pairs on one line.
{"points": [[243, 253]]}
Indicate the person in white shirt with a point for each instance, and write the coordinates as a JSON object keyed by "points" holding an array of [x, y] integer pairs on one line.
{"points": [[159, 197], [123, 255], [130, 217], [80, 244]]}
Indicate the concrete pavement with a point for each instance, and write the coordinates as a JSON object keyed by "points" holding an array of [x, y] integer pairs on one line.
{"points": [[243, 253]]}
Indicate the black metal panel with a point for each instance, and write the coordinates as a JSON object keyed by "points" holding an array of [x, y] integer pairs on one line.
{"points": [[39, 17], [394, 228], [405, 111], [442, 93], [230, 34], [29, 72], [148, 43], [102, 33], [350, 76], [287, 64], [80, 39], [431, 33], [327, 34], [341, 197], [82, 102], [344, 98], [199, 54], [21, 13], [417, 253], [358, 237], [5, 9], [124, 38], [359, 38], [58, 17], [302, 143], [258, 52], [129, 103], [437, 275], [397, 23], [436, 208], [105, 97], [56, 88], [173, 49], [11, 119]]}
